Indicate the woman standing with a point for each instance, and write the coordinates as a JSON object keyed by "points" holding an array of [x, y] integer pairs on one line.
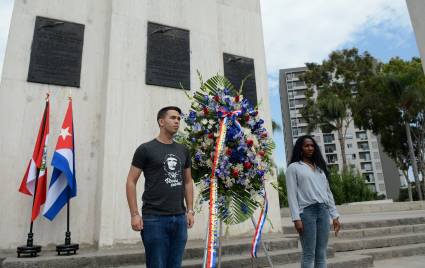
{"points": [[311, 201]]}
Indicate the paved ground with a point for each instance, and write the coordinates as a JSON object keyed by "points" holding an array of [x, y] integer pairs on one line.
{"points": [[404, 262]]}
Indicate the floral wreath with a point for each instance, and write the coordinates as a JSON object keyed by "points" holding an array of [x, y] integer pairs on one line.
{"points": [[246, 156]]}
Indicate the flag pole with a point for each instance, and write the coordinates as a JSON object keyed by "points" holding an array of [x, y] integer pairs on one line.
{"points": [[68, 248], [31, 250]]}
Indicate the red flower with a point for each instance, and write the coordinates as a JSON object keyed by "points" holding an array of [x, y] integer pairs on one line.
{"points": [[216, 98], [235, 173], [237, 98], [247, 165], [205, 109], [211, 135], [247, 117], [249, 143], [261, 153], [229, 151], [264, 135]]}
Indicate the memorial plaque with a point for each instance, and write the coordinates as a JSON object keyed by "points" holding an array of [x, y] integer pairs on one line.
{"points": [[236, 68], [56, 52], [168, 57]]}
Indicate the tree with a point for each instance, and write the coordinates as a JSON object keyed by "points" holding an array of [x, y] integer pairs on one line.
{"points": [[391, 102], [336, 80]]}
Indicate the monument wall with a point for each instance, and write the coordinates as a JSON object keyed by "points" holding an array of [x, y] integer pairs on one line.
{"points": [[115, 105]]}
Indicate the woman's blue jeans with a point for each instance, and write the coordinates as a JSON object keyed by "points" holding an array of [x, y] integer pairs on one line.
{"points": [[164, 238], [314, 239]]}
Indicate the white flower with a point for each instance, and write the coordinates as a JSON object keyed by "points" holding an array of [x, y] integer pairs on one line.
{"points": [[204, 121], [211, 122], [239, 167], [209, 163], [229, 182]]}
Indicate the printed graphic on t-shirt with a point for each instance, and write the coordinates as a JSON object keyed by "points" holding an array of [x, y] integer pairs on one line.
{"points": [[172, 167]]}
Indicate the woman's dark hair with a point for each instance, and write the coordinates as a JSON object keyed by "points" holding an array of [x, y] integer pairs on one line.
{"points": [[317, 158]]}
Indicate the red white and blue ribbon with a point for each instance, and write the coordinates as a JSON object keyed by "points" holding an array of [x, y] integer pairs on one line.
{"points": [[210, 255], [258, 230]]}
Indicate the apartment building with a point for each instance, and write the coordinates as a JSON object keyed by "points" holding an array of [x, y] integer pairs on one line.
{"points": [[362, 148]]}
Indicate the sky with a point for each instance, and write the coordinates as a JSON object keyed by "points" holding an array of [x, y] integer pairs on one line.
{"points": [[300, 31]]}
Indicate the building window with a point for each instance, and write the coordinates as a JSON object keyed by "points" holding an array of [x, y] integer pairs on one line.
{"points": [[353, 156], [290, 94], [364, 146], [378, 165], [361, 135], [291, 103], [332, 158], [289, 85], [349, 145], [366, 166], [374, 145], [328, 138], [299, 84], [380, 176], [365, 156], [382, 187], [330, 148]]}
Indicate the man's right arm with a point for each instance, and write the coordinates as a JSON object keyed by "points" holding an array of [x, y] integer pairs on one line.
{"points": [[132, 178]]}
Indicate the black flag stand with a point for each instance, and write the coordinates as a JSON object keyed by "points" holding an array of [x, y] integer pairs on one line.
{"points": [[68, 248], [30, 250]]}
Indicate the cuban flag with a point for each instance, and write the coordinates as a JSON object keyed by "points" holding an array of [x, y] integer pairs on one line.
{"points": [[63, 185], [35, 179]]}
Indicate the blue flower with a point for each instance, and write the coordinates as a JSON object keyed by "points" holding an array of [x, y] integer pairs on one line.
{"points": [[192, 116], [260, 172], [197, 127], [198, 156]]}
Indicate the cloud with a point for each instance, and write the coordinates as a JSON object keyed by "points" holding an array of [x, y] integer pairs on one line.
{"points": [[299, 31], [6, 7]]}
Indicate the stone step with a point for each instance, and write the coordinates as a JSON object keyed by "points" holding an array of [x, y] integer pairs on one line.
{"points": [[279, 257], [377, 242], [289, 229], [341, 261], [109, 258], [394, 252], [382, 231]]}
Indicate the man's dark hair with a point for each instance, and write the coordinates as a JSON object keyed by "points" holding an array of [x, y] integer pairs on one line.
{"points": [[163, 112], [317, 157]]}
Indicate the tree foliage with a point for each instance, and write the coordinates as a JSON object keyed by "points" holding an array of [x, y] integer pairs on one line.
{"points": [[391, 101], [336, 81]]}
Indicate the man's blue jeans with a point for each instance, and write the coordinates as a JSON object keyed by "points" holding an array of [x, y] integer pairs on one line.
{"points": [[164, 238], [314, 239]]}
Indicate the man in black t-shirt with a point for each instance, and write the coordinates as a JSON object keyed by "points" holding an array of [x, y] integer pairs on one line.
{"points": [[168, 183]]}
